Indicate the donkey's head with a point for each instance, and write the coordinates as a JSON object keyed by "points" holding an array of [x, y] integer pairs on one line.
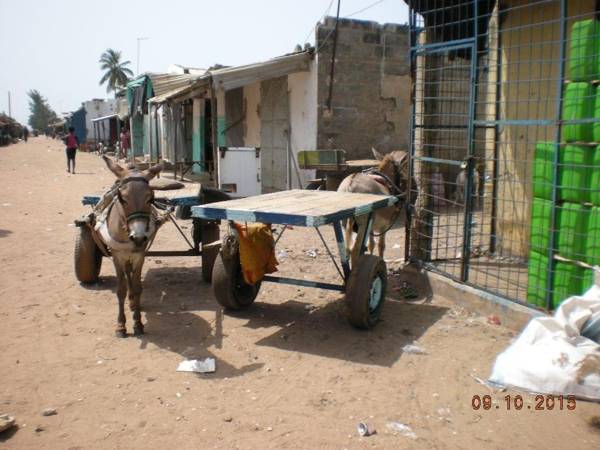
{"points": [[135, 199], [394, 165]]}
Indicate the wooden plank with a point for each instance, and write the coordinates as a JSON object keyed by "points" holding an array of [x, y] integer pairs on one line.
{"points": [[310, 158], [188, 196], [295, 207]]}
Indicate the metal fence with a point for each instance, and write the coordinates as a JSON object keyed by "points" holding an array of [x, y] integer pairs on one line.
{"points": [[503, 144]]}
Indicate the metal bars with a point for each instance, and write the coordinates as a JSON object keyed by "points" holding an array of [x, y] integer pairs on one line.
{"points": [[500, 144]]}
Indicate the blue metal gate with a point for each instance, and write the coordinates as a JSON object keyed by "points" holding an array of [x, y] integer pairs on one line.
{"points": [[490, 80]]}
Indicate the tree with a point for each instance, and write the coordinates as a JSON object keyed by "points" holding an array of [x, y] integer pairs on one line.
{"points": [[41, 115], [116, 74]]}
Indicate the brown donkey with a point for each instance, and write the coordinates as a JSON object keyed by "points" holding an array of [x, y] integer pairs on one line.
{"points": [[127, 227], [389, 178]]}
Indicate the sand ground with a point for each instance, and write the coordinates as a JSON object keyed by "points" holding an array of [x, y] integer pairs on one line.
{"points": [[291, 372]]}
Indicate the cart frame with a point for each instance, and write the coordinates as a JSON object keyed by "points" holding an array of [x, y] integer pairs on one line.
{"points": [[361, 208]]}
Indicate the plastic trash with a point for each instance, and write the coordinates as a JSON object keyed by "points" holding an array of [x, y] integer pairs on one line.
{"points": [[413, 349], [591, 329], [311, 252], [557, 355], [197, 365], [401, 428], [6, 422]]}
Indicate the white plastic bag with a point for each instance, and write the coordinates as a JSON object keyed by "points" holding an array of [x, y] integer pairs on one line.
{"points": [[551, 356]]}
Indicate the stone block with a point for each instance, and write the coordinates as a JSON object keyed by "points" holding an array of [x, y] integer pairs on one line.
{"points": [[371, 37], [395, 85], [392, 68]]}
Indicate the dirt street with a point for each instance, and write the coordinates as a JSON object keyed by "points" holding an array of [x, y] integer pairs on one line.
{"points": [[291, 372]]}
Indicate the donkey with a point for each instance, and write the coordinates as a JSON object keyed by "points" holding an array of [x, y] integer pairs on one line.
{"points": [[389, 178], [127, 227]]}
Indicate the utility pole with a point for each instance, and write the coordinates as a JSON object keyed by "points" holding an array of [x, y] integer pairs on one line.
{"points": [[9, 109], [138, 53]]}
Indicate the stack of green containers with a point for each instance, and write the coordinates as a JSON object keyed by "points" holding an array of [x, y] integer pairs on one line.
{"points": [[577, 223]]}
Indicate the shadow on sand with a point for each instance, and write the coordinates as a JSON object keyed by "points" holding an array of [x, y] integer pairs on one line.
{"points": [[173, 296], [171, 300]]}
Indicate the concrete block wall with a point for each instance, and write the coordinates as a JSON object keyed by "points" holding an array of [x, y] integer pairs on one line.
{"points": [[371, 87]]}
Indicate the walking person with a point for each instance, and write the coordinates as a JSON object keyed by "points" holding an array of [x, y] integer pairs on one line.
{"points": [[125, 143], [25, 133], [72, 143]]}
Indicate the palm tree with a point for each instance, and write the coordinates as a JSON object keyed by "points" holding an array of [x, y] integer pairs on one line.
{"points": [[117, 74]]}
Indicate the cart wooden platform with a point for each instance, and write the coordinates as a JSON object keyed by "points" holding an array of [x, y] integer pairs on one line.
{"points": [[364, 285]]}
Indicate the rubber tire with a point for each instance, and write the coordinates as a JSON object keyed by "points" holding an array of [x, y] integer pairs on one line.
{"points": [[358, 291], [229, 287], [88, 257], [209, 234]]}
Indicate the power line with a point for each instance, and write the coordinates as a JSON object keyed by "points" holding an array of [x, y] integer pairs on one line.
{"points": [[321, 18], [348, 16], [365, 8]]}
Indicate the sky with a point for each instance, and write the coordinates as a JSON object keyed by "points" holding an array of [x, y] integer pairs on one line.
{"points": [[54, 46]]}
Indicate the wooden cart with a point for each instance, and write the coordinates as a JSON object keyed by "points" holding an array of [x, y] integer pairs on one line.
{"points": [[364, 285], [204, 242], [331, 167]]}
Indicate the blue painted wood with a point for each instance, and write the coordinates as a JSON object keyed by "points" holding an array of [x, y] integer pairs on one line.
{"points": [[177, 201], [222, 211], [339, 237], [306, 283]]}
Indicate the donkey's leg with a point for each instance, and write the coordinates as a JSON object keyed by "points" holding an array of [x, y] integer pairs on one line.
{"points": [[371, 243], [130, 289], [121, 330], [381, 245], [348, 237], [136, 293]]}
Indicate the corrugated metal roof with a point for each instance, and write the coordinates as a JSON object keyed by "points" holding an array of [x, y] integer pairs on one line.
{"points": [[172, 86], [234, 77], [177, 91], [169, 85], [110, 116], [163, 83]]}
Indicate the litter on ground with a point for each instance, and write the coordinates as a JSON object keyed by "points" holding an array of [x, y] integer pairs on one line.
{"points": [[197, 365], [552, 355]]}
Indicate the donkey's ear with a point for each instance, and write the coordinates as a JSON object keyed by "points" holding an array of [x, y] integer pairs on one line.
{"points": [[115, 168], [153, 171], [377, 155]]}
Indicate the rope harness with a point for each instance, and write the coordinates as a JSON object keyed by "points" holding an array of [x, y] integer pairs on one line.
{"points": [[104, 207], [395, 190]]}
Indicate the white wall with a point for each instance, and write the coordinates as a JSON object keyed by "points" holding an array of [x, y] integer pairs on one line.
{"points": [[97, 108], [252, 110], [302, 87]]}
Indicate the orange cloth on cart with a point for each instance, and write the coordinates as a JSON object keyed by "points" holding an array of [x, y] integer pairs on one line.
{"points": [[257, 251]]}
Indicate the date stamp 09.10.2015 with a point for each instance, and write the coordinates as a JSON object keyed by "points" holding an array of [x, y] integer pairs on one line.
{"points": [[516, 403]]}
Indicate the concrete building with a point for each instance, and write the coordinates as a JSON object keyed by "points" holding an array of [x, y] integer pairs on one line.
{"points": [[371, 87], [95, 109], [283, 105]]}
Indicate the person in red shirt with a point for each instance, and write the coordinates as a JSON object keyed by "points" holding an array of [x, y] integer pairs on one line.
{"points": [[72, 143], [125, 143]]}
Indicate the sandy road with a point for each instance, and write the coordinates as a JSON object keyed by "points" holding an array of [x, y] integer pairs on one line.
{"points": [[290, 372]]}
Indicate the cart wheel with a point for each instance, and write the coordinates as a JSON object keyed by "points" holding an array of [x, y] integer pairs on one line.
{"points": [[209, 234], [365, 292], [231, 291], [88, 257]]}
